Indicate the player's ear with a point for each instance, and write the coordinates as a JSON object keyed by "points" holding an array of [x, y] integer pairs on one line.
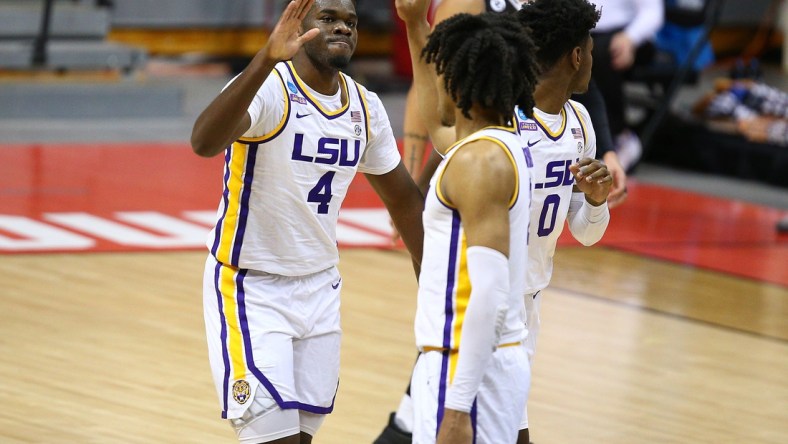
{"points": [[576, 57]]}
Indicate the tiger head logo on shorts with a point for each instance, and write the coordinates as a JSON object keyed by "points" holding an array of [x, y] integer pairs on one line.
{"points": [[241, 391]]}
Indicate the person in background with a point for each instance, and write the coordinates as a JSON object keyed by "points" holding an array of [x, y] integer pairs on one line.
{"points": [[622, 38]]}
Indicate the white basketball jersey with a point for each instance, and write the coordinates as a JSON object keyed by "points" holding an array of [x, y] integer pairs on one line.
{"points": [[555, 141], [286, 178], [444, 284]]}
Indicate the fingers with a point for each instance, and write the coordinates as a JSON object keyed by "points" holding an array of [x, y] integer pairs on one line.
{"points": [[591, 170], [617, 198], [297, 10], [309, 35], [304, 7]]}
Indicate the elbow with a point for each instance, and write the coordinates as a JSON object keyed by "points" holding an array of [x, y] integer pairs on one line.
{"points": [[202, 148]]}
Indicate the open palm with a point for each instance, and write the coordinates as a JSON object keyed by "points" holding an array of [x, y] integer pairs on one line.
{"points": [[284, 41]]}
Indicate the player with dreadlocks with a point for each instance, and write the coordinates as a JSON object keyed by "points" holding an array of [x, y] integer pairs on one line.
{"points": [[569, 184], [470, 381]]}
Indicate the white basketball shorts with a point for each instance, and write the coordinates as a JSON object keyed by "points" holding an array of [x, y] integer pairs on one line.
{"points": [[277, 335], [499, 404]]}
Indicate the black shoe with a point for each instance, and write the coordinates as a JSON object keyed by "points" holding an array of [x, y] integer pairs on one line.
{"points": [[393, 434]]}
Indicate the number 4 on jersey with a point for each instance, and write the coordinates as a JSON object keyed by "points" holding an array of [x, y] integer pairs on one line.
{"points": [[321, 193]]}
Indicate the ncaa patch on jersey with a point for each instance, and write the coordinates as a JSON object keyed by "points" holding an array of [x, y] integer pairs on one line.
{"points": [[241, 391], [291, 86]]}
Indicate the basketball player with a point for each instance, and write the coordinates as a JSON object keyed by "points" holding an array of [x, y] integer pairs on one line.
{"points": [[558, 135], [469, 383], [294, 130], [415, 137]]}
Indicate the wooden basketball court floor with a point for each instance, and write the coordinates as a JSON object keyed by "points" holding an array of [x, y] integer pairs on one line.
{"points": [[674, 330]]}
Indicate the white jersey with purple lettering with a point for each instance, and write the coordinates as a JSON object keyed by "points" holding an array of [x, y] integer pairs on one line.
{"points": [[556, 141], [286, 178], [444, 285]]}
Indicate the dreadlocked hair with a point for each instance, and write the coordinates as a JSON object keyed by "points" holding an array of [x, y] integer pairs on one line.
{"points": [[485, 59], [558, 26]]}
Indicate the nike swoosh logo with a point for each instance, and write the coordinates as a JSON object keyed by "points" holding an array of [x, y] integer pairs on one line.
{"points": [[298, 116], [335, 286], [532, 144]]}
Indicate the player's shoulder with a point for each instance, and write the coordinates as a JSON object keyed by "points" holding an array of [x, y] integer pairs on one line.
{"points": [[580, 108], [369, 95]]}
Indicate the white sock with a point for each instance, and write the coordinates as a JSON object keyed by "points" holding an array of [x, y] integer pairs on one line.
{"points": [[404, 416]]}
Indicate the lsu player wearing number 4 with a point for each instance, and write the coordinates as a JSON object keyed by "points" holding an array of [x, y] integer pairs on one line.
{"points": [[294, 131]]}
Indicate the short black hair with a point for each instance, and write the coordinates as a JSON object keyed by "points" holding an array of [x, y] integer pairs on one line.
{"points": [[558, 26], [486, 59]]}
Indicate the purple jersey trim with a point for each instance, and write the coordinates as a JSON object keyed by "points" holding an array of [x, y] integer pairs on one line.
{"points": [[223, 336], [546, 131], [218, 229], [579, 120], [364, 109], [243, 216], [308, 99]]}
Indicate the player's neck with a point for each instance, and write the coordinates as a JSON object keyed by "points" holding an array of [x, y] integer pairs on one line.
{"points": [[480, 119], [325, 81], [551, 92]]}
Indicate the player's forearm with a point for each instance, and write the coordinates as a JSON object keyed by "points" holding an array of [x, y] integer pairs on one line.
{"points": [[221, 122], [405, 203], [415, 136], [425, 80], [587, 222], [484, 318], [428, 171]]}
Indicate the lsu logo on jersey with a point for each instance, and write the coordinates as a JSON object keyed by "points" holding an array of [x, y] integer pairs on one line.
{"points": [[330, 151], [557, 174], [241, 391]]}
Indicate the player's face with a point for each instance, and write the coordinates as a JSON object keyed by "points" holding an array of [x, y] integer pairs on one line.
{"points": [[583, 75], [336, 20]]}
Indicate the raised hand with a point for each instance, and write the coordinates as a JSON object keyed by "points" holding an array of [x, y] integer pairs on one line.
{"points": [[411, 10], [592, 178], [284, 41]]}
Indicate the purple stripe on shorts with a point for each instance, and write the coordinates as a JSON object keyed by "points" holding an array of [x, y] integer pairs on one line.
{"points": [[223, 336], [442, 387], [218, 230], [247, 338], [251, 157], [474, 420]]}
